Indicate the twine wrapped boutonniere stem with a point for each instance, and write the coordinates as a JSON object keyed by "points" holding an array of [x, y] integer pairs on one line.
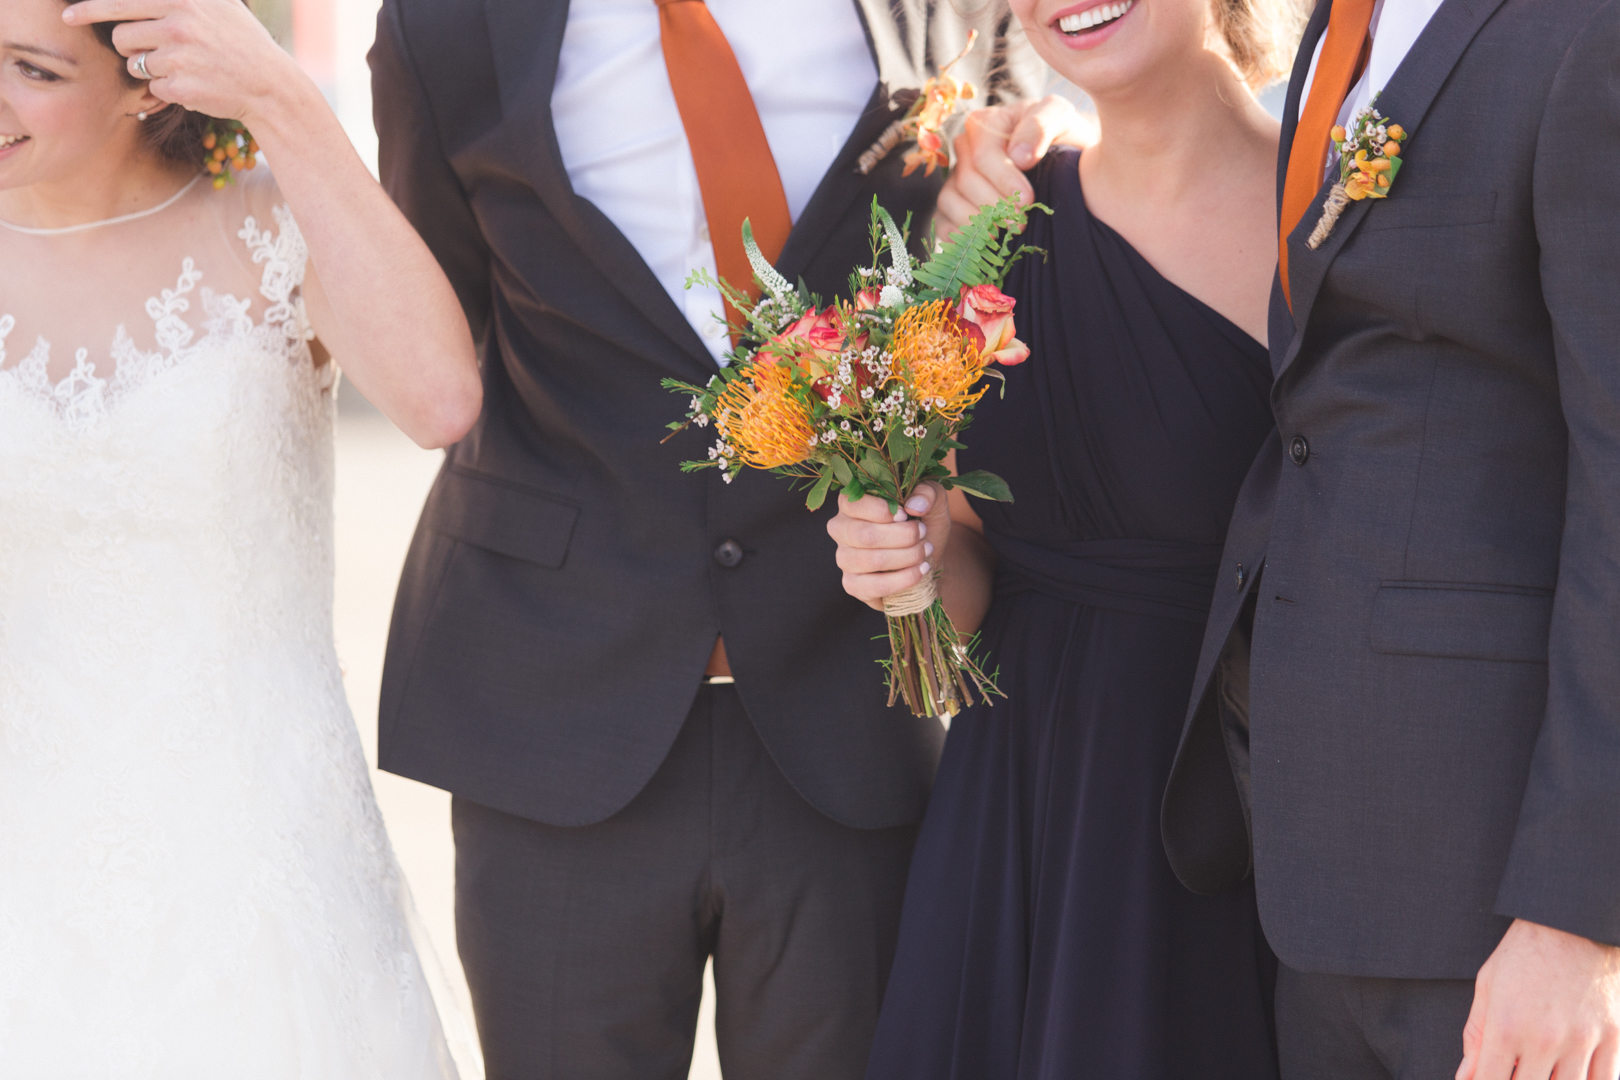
{"points": [[925, 121], [1369, 159]]}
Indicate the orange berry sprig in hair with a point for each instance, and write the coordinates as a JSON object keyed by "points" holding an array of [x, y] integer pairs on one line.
{"points": [[228, 148]]}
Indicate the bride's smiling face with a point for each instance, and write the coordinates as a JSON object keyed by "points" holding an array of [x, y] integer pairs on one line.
{"points": [[1105, 46], [65, 104]]}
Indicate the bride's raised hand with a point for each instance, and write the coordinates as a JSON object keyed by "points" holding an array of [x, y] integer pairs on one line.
{"points": [[376, 297], [209, 56], [883, 553]]}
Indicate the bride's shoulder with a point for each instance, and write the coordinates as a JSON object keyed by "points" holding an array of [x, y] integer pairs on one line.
{"points": [[258, 196], [258, 215]]}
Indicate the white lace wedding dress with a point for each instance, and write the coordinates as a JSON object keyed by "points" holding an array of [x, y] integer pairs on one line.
{"points": [[195, 883]]}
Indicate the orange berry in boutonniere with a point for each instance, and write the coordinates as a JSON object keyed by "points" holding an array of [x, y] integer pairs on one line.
{"points": [[1369, 159]]}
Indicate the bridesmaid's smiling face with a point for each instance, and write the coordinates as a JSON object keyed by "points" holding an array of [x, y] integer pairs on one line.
{"points": [[66, 105], [1105, 46]]}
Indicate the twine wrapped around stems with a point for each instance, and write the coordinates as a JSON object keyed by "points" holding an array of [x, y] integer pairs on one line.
{"points": [[1337, 200], [915, 600]]}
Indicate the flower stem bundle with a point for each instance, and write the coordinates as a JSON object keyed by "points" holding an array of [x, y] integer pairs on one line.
{"points": [[867, 395]]}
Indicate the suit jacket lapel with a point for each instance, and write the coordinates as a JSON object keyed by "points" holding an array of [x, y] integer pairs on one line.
{"points": [[1281, 323], [526, 39], [1406, 101]]}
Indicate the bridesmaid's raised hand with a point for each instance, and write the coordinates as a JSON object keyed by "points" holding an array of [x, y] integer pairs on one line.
{"points": [[883, 553]]}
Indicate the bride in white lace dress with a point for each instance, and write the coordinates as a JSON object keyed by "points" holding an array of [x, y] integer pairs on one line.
{"points": [[194, 878]]}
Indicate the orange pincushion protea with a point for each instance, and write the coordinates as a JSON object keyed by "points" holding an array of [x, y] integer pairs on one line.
{"points": [[763, 420], [942, 365]]}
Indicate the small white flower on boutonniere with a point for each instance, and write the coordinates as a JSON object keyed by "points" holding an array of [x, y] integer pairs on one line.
{"points": [[1369, 159]]}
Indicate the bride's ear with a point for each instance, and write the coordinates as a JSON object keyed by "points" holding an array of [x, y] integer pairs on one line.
{"points": [[148, 106]]}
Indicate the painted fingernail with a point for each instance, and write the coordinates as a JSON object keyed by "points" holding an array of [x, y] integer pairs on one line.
{"points": [[922, 529], [928, 549], [923, 567], [901, 516], [1022, 152], [917, 504]]}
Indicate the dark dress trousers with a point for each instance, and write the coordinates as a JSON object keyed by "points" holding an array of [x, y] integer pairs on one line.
{"points": [[1422, 714], [568, 581]]}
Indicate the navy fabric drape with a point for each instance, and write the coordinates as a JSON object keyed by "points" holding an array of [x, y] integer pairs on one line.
{"points": [[1044, 935]]}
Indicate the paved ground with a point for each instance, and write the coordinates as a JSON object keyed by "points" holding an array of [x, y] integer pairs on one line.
{"points": [[381, 481]]}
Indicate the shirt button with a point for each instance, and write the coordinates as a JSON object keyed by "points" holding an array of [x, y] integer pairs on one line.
{"points": [[729, 554], [1299, 450]]}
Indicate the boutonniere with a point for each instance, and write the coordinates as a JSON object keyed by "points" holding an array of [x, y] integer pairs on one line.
{"points": [[1369, 159], [925, 121]]}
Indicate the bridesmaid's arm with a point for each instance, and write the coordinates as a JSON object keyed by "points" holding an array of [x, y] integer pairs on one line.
{"points": [[882, 554]]}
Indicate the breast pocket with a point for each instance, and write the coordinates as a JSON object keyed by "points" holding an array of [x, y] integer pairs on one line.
{"points": [[1473, 622], [1430, 211]]}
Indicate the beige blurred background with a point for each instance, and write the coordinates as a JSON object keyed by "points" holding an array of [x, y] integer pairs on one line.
{"points": [[382, 479]]}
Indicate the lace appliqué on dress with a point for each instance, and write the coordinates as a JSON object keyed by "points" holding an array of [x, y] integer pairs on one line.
{"points": [[82, 399]]}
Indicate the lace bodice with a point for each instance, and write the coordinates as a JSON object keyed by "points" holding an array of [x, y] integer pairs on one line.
{"points": [[193, 870]]}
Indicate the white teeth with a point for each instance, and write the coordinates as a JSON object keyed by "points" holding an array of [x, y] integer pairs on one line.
{"points": [[10, 140], [1093, 17]]}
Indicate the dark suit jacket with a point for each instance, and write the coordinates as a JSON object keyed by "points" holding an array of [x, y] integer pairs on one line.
{"points": [[1434, 672], [563, 593]]}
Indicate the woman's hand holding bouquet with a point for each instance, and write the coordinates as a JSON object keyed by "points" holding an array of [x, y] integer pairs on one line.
{"points": [[867, 396]]}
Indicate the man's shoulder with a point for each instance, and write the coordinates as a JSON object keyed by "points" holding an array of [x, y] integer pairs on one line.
{"points": [[426, 22]]}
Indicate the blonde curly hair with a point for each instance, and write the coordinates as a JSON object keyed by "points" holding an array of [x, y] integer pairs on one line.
{"points": [[1259, 37]]}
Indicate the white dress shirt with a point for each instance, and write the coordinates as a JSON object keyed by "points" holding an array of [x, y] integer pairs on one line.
{"points": [[1394, 28], [810, 72]]}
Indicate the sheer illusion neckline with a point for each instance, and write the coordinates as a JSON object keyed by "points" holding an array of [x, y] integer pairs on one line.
{"points": [[1071, 175], [120, 220]]}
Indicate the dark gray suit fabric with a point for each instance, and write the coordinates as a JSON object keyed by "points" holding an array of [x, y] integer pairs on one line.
{"points": [[1348, 1027], [585, 946], [1434, 708], [562, 593]]}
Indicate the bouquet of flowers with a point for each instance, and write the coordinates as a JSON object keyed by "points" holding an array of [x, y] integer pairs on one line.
{"points": [[868, 396]]}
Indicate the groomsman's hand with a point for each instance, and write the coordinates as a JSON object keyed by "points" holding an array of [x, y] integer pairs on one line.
{"points": [[996, 146], [1546, 1004]]}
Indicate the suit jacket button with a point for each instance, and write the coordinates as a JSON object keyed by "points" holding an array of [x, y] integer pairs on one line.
{"points": [[1299, 450], [1240, 577], [729, 554]]}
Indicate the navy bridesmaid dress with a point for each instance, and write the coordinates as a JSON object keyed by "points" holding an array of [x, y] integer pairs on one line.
{"points": [[1044, 936]]}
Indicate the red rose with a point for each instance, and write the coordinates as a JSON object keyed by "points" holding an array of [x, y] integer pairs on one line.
{"points": [[813, 341], [986, 315]]}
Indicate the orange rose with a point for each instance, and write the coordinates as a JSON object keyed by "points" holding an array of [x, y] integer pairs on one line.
{"points": [[985, 314]]}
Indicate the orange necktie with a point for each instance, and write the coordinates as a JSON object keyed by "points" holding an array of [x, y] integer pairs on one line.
{"points": [[736, 172], [1344, 53]]}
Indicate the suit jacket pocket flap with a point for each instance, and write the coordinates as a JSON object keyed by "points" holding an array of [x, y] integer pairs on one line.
{"points": [[1478, 622], [1431, 211], [502, 517]]}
